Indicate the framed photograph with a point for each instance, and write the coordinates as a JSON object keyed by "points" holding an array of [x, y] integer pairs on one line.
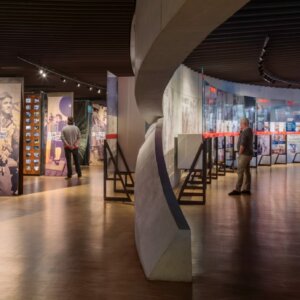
{"points": [[28, 107], [28, 141], [36, 113], [36, 100], [36, 141], [36, 134], [36, 107], [28, 100], [28, 114], [36, 147], [28, 148], [36, 168], [28, 168], [28, 154], [27, 121], [28, 127], [36, 161], [27, 134], [36, 155], [28, 161], [36, 121], [36, 127]]}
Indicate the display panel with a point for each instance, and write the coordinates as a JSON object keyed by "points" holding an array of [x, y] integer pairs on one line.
{"points": [[59, 108], [10, 126], [293, 148], [112, 113], [98, 132], [32, 143], [279, 148]]}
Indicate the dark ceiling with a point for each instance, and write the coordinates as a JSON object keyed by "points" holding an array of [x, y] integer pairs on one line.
{"points": [[231, 52], [82, 39]]}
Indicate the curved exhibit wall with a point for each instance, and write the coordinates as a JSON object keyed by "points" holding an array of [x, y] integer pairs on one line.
{"points": [[182, 108], [256, 91], [277, 121]]}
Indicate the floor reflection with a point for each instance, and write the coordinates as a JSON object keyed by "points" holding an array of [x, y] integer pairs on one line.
{"points": [[61, 241]]}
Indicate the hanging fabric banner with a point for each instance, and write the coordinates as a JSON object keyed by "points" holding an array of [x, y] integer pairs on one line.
{"points": [[10, 128], [59, 108]]}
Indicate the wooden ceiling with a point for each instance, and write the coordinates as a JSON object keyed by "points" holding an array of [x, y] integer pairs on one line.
{"points": [[231, 52], [79, 38]]}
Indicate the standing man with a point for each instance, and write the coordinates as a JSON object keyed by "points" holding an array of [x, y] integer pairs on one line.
{"points": [[245, 150], [70, 136]]}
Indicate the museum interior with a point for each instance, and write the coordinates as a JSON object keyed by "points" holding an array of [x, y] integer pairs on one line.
{"points": [[175, 102]]}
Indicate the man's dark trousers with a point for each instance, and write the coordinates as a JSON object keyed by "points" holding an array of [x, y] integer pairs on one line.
{"points": [[68, 153]]}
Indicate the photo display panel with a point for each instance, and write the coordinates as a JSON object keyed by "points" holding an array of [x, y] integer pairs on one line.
{"points": [[59, 108], [10, 128], [98, 133], [32, 135]]}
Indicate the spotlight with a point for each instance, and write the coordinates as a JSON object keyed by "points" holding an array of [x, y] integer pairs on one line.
{"points": [[90, 88], [99, 91], [41, 71], [78, 84], [63, 80], [44, 75], [267, 78]]}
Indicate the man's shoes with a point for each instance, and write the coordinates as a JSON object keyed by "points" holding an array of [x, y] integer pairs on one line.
{"points": [[245, 192], [234, 193], [68, 177]]}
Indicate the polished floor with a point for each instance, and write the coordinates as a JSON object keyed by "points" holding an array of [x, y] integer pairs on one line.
{"points": [[61, 241]]}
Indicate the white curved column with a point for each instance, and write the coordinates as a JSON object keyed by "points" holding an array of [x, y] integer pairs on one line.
{"points": [[164, 32], [163, 237]]}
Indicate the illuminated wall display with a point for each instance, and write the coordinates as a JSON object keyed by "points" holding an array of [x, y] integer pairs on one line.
{"points": [[32, 142]]}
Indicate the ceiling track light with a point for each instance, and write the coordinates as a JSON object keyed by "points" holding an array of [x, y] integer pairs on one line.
{"points": [[268, 76], [45, 71]]}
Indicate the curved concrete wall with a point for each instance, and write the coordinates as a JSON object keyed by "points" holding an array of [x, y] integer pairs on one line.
{"points": [[165, 32], [163, 237]]}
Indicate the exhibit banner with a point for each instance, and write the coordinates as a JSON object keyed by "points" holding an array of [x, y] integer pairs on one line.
{"points": [[112, 115], [82, 118], [98, 132], [59, 108], [11, 90]]}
